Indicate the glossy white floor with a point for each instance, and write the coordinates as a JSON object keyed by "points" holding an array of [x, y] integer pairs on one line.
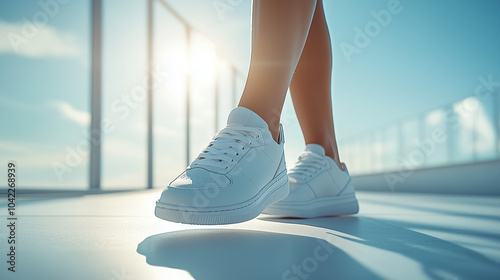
{"points": [[395, 236]]}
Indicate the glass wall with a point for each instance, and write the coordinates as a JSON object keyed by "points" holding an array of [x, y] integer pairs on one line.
{"points": [[124, 94], [45, 92], [190, 65], [169, 108], [464, 132]]}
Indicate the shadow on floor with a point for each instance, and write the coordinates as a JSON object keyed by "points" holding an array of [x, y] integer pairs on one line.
{"points": [[438, 258], [246, 254]]}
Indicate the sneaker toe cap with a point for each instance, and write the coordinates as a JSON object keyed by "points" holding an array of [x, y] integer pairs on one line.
{"points": [[200, 189]]}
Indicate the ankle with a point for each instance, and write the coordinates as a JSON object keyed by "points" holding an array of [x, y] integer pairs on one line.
{"points": [[336, 159], [275, 132], [332, 152], [271, 117]]}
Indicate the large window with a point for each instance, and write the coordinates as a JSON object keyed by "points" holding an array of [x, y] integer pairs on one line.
{"points": [[124, 94], [192, 98], [45, 92], [45, 98]]}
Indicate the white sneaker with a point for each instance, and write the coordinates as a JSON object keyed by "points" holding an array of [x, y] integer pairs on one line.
{"points": [[318, 187], [239, 174]]}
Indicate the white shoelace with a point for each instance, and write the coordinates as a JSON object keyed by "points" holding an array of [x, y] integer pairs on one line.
{"points": [[226, 146], [308, 165]]}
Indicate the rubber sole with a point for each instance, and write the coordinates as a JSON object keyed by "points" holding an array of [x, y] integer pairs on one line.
{"points": [[274, 191], [321, 207]]}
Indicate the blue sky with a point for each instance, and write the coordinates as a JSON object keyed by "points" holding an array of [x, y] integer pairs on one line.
{"points": [[430, 54]]}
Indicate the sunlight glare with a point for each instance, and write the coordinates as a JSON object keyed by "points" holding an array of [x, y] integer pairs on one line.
{"points": [[202, 61]]}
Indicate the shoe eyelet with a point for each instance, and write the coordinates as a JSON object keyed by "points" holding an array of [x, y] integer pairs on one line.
{"points": [[237, 154], [227, 167]]}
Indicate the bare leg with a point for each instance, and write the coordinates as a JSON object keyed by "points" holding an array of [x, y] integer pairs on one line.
{"points": [[310, 87], [279, 32]]}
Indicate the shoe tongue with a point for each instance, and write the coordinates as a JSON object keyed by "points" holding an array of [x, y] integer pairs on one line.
{"points": [[245, 117], [315, 148]]}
